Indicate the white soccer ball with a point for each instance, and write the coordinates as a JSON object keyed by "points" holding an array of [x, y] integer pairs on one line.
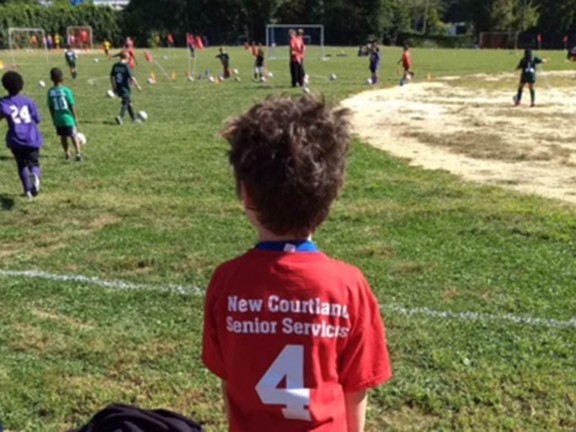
{"points": [[142, 115], [369, 81], [41, 84], [190, 78], [110, 93], [332, 77], [408, 77], [211, 78], [270, 74], [150, 81], [235, 71], [81, 138], [96, 60]]}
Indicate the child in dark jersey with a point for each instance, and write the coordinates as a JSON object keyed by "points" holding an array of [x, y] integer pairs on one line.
{"points": [[23, 137], [374, 62], [295, 336], [527, 65]]}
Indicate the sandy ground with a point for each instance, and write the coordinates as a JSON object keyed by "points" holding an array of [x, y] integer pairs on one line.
{"points": [[471, 128]]}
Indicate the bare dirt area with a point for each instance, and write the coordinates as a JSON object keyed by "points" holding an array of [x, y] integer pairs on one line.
{"points": [[470, 127]]}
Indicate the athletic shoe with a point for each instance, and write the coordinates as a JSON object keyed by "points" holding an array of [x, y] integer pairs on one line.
{"points": [[78, 157], [35, 185], [29, 195], [137, 121], [119, 120], [532, 105]]}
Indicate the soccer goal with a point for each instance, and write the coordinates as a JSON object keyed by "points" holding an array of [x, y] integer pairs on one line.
{"points": [[501, 40], [278, 40], [79, 37], [22, 39]]}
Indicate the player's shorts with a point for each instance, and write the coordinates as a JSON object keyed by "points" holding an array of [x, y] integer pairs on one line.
{"points": [[66, 131], [259, 70], [26, 157], [374, 68], [527, 78], [71, 64]]}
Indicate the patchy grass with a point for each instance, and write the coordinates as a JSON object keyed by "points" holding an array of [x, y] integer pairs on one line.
{"points": [[155, 204]]}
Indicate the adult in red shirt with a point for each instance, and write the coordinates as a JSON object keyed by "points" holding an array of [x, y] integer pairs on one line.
{"points": [[295, 52], [295, 336]]}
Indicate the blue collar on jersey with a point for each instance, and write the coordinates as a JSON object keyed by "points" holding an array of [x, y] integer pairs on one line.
{"points": [[291, 246]]}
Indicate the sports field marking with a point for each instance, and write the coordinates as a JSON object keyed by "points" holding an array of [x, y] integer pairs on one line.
{"points": [[196, 291]]}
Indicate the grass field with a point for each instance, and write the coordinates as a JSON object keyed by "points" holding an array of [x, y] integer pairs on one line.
{"points": [[477, 284]]}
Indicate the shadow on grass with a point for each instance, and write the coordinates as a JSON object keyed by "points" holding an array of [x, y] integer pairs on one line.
{"points": [[5, 158], [6, 203]]}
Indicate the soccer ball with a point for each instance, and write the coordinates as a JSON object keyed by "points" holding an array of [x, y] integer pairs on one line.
{"points": [[332, 77], [110, 93], [369, 81], [96, 60], [41, 84], [81, 138], [235, 71], [408, 77], [270, 74], [211, 78], [142, 115], [150, 81], [190, 78]]}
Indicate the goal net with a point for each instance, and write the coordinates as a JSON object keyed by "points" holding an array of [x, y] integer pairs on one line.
{"points": [[495, 40], [22, 39], [278, 40], [79, 37]]}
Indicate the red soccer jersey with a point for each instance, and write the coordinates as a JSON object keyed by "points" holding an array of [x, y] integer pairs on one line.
{"points": [[290, 333], [406, 61], [294, 49]]}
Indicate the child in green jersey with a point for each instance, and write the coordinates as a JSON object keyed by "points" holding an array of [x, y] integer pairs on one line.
{"points": [[528, 76], [122, 78], [63, 110]]}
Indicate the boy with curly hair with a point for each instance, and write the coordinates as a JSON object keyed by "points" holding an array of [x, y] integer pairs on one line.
{"points": [[295, 336], [23, 137]]}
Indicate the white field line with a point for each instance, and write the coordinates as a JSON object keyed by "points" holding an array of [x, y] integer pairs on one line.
{"points": [[195, 291]]}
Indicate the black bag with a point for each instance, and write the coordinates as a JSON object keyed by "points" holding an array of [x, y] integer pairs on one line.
{"points": [[127, 418]]}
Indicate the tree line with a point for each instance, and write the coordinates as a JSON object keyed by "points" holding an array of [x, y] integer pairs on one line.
{"points": [[346, 22]]}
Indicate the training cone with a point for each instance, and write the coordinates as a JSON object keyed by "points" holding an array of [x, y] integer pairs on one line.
{"points": [[429, 77], [173, 76]]}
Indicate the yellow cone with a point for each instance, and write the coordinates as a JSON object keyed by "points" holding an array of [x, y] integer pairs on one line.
{"points": [[173, 75]]}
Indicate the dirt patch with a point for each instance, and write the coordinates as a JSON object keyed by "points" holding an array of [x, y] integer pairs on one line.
{"points": [[474, 131]]}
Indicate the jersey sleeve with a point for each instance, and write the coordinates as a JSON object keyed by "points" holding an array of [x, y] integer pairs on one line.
{"points": [[211, 351], [364, 362]]}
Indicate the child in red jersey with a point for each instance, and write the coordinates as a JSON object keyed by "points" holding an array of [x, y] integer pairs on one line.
{"points": [[406, 61], [295, 336]]}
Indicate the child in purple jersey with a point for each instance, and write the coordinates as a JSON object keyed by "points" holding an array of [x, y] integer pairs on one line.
{"points": [[23, 137], [374, 62]]}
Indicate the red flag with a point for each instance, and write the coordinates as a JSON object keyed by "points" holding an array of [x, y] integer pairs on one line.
{"points": [[170, 39], [147, 56], [539, 38], [565, 39], [199, 43]]}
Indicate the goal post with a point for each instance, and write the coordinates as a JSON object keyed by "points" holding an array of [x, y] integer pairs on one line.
{"points": [[26, 39], [79, 37], [278, 40], [498, 40]]}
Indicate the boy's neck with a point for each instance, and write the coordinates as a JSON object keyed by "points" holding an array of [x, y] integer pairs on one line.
{"points": [[266, 236]]}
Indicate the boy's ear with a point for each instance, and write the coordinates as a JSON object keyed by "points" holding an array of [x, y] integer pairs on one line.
{"points": [[246, 198]]}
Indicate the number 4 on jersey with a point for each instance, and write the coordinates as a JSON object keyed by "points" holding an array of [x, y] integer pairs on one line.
{"points": [[290, 365]]}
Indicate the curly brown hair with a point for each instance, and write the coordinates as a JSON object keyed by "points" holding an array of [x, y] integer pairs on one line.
{"points": [[290, 156]]}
